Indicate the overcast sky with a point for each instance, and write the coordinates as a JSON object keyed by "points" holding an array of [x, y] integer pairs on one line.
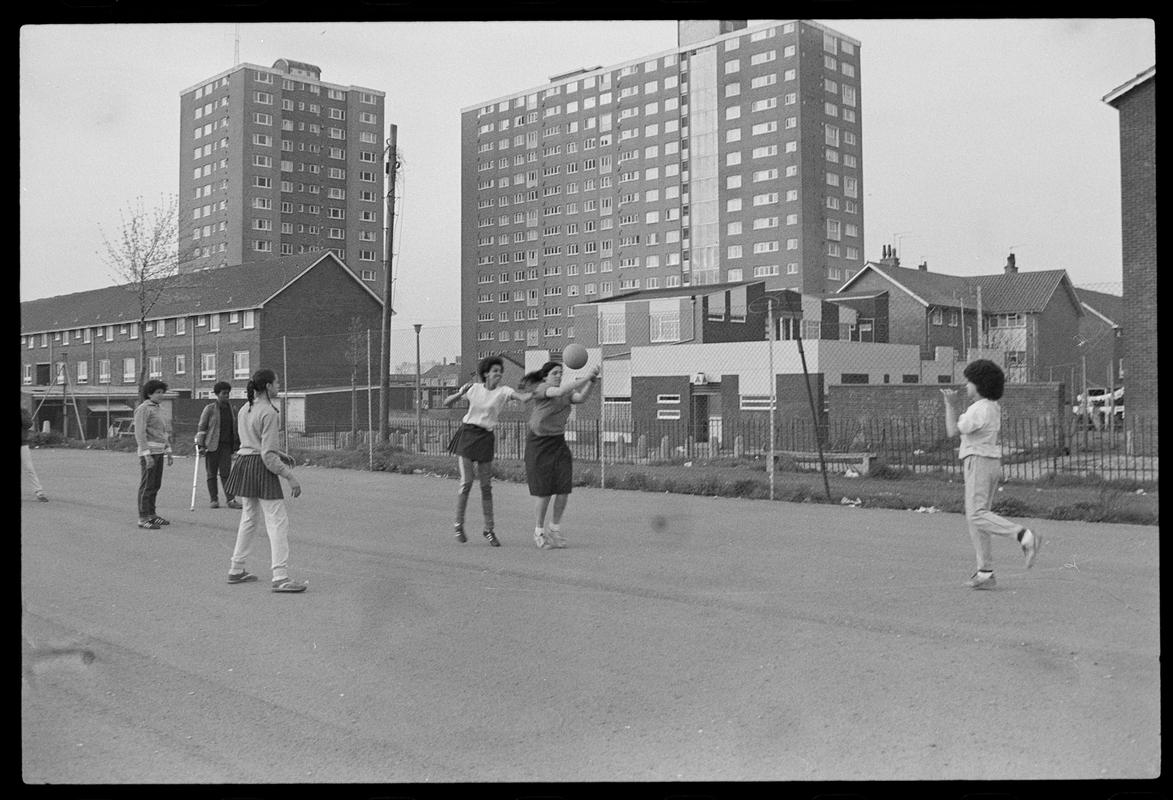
{"points": [[980, 137]]}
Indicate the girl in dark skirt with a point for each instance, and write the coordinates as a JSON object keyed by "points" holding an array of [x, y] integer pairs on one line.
{"points": [[254, 479], [549, 463], [475, 442]]}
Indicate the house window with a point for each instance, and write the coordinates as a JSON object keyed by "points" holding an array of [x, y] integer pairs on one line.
{"points": [[249, 320], [181, 364], [128, 371], [161, 327], [853, 377], [937, 316], [180, 326], [155, 367], [104, 370], [953, 317], [134, 330], [26, 374], [240, 368], [208, 366], [83, 372]]}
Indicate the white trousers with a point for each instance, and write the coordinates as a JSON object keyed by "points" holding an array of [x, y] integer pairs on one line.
{"points": [[276, 523], [26, 466]]}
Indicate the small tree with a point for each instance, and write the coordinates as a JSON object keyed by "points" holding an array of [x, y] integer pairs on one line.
{"points": [[143, 256]]}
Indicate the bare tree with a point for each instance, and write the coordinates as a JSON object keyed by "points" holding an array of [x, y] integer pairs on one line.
{"points": [[143, 255]]}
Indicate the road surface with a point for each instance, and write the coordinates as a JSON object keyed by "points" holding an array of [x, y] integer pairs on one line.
{"points": [[677, 638]]}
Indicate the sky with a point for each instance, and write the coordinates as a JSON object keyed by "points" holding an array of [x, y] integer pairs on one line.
{"points": [[980, 137]]}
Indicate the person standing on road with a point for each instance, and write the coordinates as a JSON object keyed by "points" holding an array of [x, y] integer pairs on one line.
{"points": [[981, 458], [152, 435], [218, 439], [254, 479], [475, 443], [549, 464], [26, 454]]}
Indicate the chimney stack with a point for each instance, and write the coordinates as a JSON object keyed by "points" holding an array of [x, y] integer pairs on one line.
{"points": [[923, 266], [1010, 267]]}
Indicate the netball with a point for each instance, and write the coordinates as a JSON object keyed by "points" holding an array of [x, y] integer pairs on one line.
{"points": [[574, 356]]}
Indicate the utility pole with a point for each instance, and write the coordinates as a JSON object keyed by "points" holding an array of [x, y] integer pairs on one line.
{"points": [[392, 167]]}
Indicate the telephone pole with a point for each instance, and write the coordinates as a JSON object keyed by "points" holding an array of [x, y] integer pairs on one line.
{"points": [[388, 237]]}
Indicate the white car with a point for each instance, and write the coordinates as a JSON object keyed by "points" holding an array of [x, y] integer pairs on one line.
{"points": [[1101, 404]]}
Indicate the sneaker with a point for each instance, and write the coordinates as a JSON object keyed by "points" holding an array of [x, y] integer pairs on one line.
{"points": [[540, 540], [214, 504], [1031, 544], [460, 537], [492, 537], [555, 538], [241, 577], [981, 580], [44, 498], [148, 524], [234, 503], [159, 521], [288, 585]]}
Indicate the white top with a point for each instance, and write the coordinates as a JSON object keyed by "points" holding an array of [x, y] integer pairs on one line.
{"points": [[979, 427], [484, 405]]}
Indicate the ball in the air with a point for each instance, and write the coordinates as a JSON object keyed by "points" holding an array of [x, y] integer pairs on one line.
{"points": [[574, 356]]}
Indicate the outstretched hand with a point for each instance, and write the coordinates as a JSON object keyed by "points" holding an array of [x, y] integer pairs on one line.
{"points": [[950, 396]]}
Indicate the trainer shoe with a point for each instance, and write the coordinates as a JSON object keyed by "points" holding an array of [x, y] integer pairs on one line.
{"points": [[492, 537], [241, 577], [214, 504], [234, 503], [1031, 544], [44, 498], [288, 585], [460, 537], [555, 538], [982, 580], [540, 540], [148, 524], [159, 521]]}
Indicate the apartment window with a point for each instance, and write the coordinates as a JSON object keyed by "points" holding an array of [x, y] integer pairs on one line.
{"points": [[83, 372], [129, 373], [240, 365]]}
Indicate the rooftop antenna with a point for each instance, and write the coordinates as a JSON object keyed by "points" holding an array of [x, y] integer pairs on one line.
{"points": [[236, 46]]}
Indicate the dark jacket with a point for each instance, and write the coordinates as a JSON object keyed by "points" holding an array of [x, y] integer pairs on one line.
{"points": [[208, 434]]}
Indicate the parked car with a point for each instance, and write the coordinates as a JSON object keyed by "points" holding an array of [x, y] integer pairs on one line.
{"points": [[1100, 405]]}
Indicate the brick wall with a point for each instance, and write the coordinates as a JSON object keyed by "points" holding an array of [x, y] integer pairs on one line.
{"points": [[305, 326], [1138, 172], [922, 401]]}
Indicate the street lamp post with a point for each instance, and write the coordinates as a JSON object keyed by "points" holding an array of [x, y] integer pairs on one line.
{"points": [[418, 417]]}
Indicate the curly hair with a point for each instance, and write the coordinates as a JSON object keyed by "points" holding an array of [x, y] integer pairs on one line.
{"points": [[152, 386], [987, 377], [486, 364], [221, 386]]}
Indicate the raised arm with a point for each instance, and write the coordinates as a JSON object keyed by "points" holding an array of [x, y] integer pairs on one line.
{"points": [[459, 393], [572, 388]]}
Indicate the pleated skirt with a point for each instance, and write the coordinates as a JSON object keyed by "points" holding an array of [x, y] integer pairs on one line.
{"points": [[251, 478], [549, 465], [473, 442]]}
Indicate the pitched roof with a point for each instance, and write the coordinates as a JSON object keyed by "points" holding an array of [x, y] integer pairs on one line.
{"points": [[1149, 74], [234, 288], [1001, 293], [1108, 306]]}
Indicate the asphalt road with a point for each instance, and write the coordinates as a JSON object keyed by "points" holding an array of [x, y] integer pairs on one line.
{"points": [[677, 638]]}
